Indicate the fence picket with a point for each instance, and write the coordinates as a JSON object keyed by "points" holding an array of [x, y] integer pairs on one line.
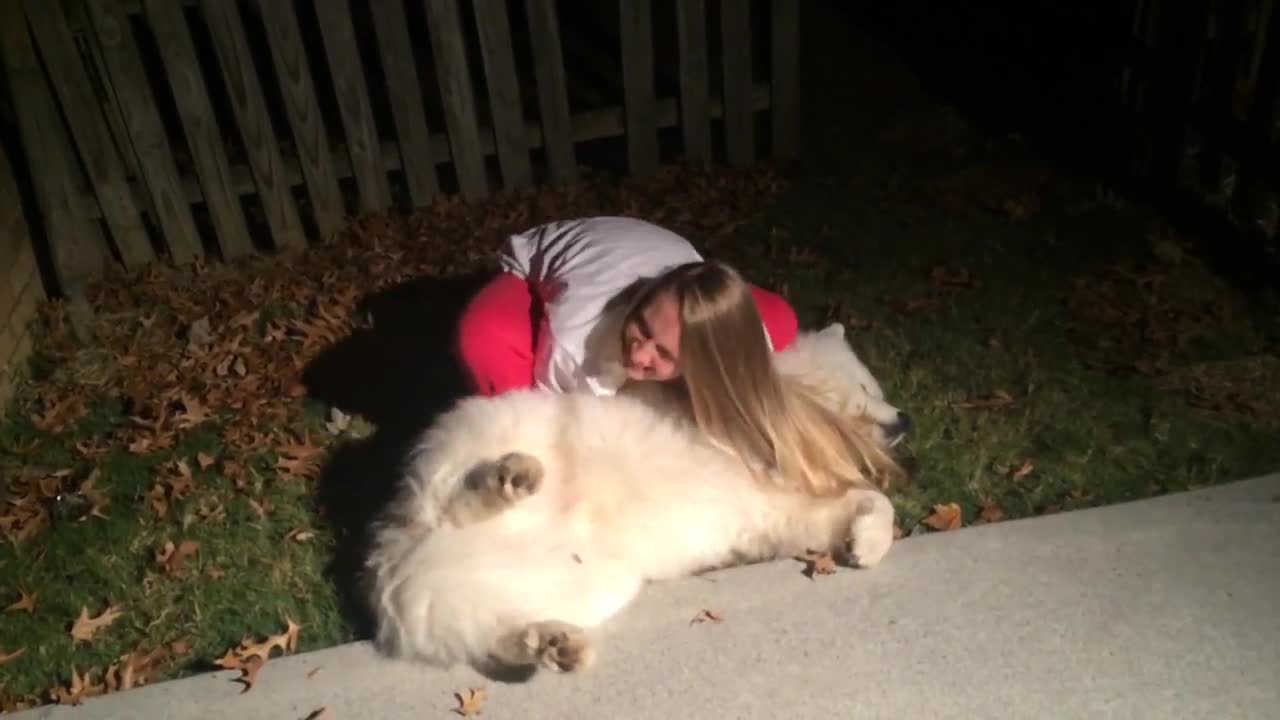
{"points": [[89, 130], [353, 104], [238, 72], [695, 117], [638, 91], [145, 129], [200, 125], [735, 38], [505, 105], [309, 135], [454, 76], [553, 92], [401, 72]]}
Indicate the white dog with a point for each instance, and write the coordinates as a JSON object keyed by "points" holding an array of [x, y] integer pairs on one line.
{"points": [[528, 518]]}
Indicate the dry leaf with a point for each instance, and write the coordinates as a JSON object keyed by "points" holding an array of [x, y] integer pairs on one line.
{"points": [[319, 714], [997, 399], [180, 648], [172, 559], [81, 687], [471, 703], [1023, 470], [300, 535], [250, 656], [26, 602], [945, 517], [249, 669], [817, 564], [711, 616], [205, 460], [85, 627], [6, 658], [990, 512]]}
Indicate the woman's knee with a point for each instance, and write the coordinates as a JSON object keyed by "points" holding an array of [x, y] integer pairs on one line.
{"points": [[495, 336]]}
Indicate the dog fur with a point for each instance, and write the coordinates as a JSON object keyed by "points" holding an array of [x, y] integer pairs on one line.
{"points": [[525, 520]]}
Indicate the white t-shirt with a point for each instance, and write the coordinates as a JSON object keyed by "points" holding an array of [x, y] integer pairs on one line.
{"points": [[576, 267]]}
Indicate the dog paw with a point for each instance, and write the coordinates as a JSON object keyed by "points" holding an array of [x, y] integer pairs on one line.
{"points": [[871, 534], [514, 476], [560, 646]]}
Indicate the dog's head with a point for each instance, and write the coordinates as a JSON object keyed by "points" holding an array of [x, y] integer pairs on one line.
{"points": [[825, 360]]}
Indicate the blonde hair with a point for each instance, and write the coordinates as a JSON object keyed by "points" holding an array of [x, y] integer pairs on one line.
{"points": [[776, 424]]}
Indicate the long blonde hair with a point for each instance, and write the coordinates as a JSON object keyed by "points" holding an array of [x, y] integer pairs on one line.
{"points": [[776, 424]]}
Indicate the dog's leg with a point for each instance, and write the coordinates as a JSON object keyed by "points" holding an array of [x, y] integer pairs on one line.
{"points": [[490, 487], [857, 526], [871, 532], [555, 645]]}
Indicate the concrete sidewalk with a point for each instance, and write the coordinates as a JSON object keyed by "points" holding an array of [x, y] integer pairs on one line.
{"points": [[1164, 608]]}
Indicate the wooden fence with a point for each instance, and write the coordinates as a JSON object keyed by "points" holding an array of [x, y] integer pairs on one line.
{"points": [[1201, 94], [182, 128]]}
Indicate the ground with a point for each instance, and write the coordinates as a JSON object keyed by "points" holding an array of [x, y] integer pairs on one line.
{"points": [[1056, 347]]}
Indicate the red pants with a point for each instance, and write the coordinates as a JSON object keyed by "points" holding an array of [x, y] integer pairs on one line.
{"points": [[496, 333]]}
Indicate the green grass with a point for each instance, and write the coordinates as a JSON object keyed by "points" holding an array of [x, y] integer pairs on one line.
{"points": [[854, 232]]}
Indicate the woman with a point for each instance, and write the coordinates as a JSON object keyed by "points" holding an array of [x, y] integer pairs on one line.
{"points": [[594, 303]]}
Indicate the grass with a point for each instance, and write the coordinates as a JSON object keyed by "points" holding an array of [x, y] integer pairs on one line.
{"points": [[1028, 302]]}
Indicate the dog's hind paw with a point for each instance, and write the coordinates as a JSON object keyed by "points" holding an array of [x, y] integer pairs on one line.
{"points": [[515, 476], [559, 646], [871, 534]]}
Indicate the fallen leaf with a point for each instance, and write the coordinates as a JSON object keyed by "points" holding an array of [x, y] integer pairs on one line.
{"points": [[6, 658], [85, 627], [997, 399], [313, 671], [945, 517], [471, 703], [300, 535], [249, 656], [25, 602], [319, 714], [991, 512], [249, 669], [172, 559], [1023, 470], [204, 460], [817, 564], [704, 616], [81, 687], [180, 648]]}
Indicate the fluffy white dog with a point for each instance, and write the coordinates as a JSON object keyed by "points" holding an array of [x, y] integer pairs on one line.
{"points": [[526, 519]]}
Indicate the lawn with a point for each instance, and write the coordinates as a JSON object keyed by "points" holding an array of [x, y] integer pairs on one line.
{"points": [[185, 474]]}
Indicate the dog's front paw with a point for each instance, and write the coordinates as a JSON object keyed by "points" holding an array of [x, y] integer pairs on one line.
{"points": [[560, 646], [871, 534]]}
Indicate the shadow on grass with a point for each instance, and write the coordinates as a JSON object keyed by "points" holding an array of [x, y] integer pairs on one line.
{"points": [[399, 375]]}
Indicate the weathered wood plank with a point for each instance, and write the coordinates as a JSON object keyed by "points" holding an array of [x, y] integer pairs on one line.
{"points": [[456, 93], [223, 19], [785, 79], [75, 244], [146, 131], [591, 125], [505, 104], [636, 20], [739, 126], [303, 110], [105, 168], [401, 72], [353, 103], [200, 125], [695, 119], [553, 91]]}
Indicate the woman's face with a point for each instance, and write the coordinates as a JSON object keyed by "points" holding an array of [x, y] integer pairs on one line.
{"points": [[652, 340]]}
